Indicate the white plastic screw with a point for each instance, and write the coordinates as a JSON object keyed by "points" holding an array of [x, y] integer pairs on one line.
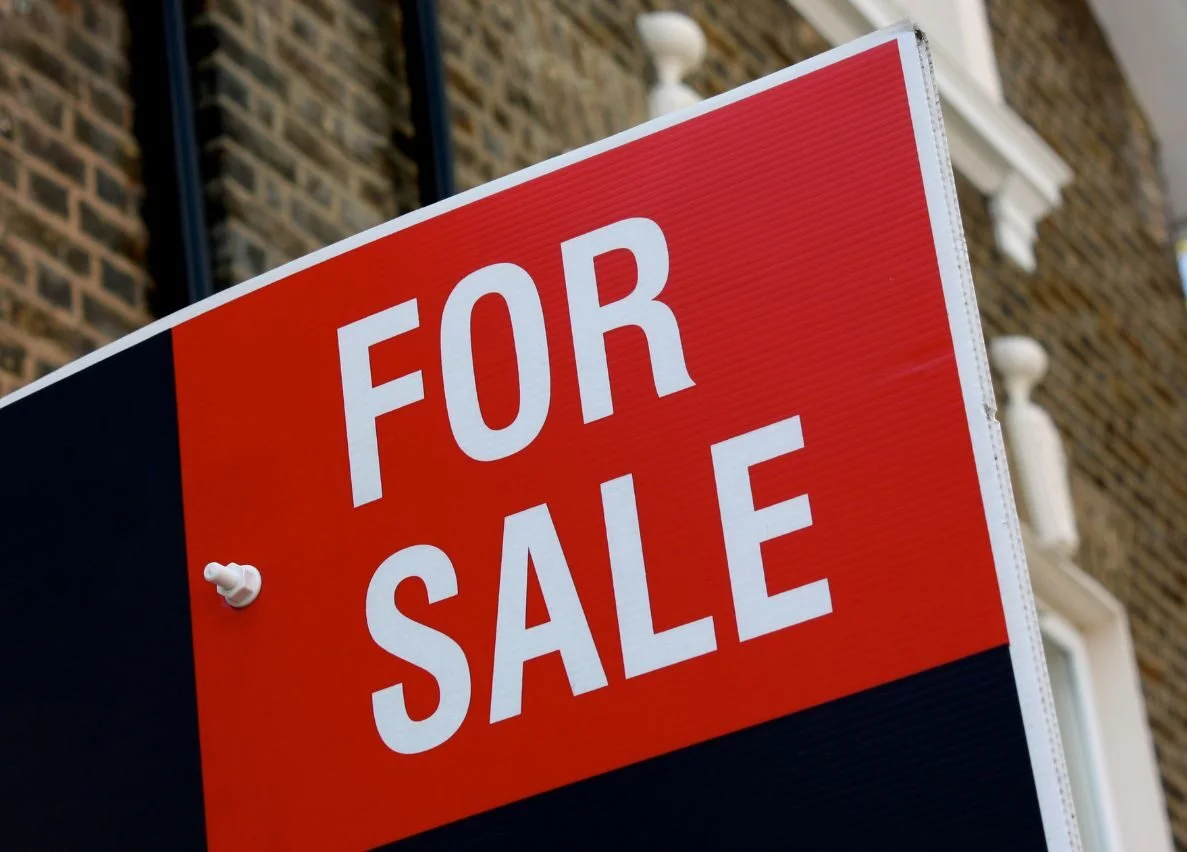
{"points": [[238, 584]]}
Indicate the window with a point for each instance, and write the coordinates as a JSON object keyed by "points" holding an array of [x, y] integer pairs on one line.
{"points": [[1115, 785], [1079, 728], [1114, 777]]}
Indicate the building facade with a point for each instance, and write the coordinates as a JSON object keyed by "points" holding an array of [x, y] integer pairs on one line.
{"points": [[1071, 161]]}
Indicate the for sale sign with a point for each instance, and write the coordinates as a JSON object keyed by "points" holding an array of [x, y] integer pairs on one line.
{"points": [[652, 497]]}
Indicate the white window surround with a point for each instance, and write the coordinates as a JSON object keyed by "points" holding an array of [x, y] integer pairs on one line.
{"points": [[1070, 671], [1134, 810], [1132, 786], [990, 144]]}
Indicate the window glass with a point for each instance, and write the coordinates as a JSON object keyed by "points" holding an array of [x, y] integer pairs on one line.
{"points": [[1068, 689]]}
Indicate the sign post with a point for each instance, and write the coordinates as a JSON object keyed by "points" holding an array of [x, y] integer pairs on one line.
{"points": [[652, 496]]}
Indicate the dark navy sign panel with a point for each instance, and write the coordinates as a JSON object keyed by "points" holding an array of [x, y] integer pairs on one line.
{"points": [[936, 761], [98, 714]]}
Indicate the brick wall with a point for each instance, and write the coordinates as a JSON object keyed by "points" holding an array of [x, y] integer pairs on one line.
{"points": [[303, 119], [529, 79], [72, 244]]}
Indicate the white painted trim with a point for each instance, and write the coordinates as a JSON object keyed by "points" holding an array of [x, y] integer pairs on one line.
{"points": [[1025, 645], [1062, 633], [978, 45], [1134, 784], [990, 144]]}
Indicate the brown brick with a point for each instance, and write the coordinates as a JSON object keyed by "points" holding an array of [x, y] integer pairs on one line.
{"points": [[44, 101], [314, 147], [53, 241], [42, 368], [233, 9], [8, 168], [52, 151], [54, 287], [216, 79], [310, 70], [111, 234], [275, 231], [305, 31], [237, 255], [370, 113], [83, 50], [36, 322], [323, 9], [220, 121], [374, 11], [358, 217], [13, 356], [356, 66], [12, 264], [108, 105], [111, 189], [98, 22], [107, 321], [50, 194], [221, 159], [318, 189], [119, 283], [212, 38], [313, 224], [48, 64], [66, 66], [116, 148], [265, 111], [41, 19]]}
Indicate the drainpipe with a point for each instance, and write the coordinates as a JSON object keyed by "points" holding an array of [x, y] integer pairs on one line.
{"points": [[430, 111], [190, 190], [174, 198]]}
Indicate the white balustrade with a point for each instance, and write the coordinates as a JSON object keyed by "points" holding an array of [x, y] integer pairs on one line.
{"points": [[1039, 463]]}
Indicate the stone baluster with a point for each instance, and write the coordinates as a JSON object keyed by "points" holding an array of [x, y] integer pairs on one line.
{"points": [[1036, 450], [676, 46]]}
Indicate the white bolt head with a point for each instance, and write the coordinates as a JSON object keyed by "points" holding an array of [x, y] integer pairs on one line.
{"points": [[238, 584]]}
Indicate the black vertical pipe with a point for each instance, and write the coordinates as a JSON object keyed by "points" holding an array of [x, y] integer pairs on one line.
{"points": [[173, 205], [430, 111], [191, 195]]}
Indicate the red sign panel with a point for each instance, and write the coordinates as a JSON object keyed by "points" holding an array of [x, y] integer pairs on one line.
{"points": [[649, 448]]}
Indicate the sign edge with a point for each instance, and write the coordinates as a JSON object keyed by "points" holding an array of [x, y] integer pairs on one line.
{"points": [[1022, 628]]}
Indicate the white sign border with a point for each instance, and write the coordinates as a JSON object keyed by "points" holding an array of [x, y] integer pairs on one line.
{"points": [[1026, 654], [997, 494]]}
